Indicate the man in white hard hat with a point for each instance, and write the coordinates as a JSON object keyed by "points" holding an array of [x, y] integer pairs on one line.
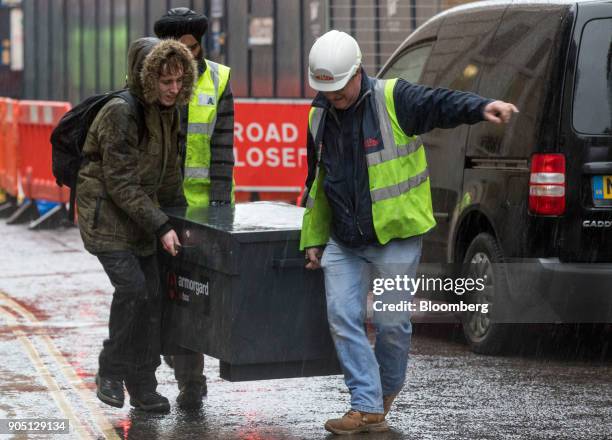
{"points": [[369, 203]]}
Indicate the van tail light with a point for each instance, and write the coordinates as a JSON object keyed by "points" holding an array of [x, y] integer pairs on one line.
{"points": [[547, 184]]}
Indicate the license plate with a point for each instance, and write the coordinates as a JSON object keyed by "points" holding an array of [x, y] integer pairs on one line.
{"points": [[602, 187]]}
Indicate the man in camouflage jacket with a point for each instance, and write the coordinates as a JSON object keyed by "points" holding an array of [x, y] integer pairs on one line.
{"points": [[121, 187]]}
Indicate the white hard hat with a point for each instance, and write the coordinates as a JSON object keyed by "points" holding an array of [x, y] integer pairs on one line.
{"points": [[333, 60]]}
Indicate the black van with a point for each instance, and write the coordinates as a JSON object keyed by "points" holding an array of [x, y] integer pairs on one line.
{"points": [[528, 204]]}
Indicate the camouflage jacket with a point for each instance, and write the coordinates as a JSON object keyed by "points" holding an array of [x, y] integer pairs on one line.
{"points": [[119, 193]]}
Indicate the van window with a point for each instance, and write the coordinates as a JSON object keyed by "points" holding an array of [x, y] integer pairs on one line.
{"points": [[592, 111], [409, 65], [520, 61]]}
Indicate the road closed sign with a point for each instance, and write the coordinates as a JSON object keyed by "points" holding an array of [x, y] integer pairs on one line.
{"points": [[270, 145]]}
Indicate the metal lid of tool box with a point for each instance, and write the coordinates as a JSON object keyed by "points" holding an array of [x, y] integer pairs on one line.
{"points": [[246, 222]]}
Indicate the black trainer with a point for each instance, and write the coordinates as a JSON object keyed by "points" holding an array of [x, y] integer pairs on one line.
{"points": [[110, 391], [191, 394], [150, 401]]}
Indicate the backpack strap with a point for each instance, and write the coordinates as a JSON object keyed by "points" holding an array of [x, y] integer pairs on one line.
{"points": [[138, 111], [71, 204]]}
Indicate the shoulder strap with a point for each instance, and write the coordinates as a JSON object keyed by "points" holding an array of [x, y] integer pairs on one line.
{"points": [[138, 111]]}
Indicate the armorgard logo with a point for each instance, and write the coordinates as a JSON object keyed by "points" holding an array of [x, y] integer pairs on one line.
{"points": [[597, 224], [195, 286]]}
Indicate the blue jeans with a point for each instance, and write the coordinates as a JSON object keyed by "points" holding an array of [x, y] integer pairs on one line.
{"points": [[369, 373]]}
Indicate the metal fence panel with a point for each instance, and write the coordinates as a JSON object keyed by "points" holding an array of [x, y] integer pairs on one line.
{"points": [[29, 47], [138, 19], [89, 44], [262, 71], [44, 57], [120, 43], [57, 47], [73, 45], [237, 53], [103, 46], [74, 48], [365, 28], [288, 56]]}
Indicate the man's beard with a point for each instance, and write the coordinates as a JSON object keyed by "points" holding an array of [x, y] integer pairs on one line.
{"points": [[200, 59]]}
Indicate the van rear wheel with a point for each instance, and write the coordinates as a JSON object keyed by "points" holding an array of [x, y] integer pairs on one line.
{"points": [[484, 259]]}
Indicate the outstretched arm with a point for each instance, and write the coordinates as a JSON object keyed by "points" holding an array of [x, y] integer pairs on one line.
{"points": [[421, 109]]}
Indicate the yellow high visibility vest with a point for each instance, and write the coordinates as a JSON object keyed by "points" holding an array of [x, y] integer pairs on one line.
{"points": [[201, 125], [398, 176]]}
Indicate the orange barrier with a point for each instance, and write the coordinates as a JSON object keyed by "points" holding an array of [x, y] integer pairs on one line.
{"points": [[9, 145], [37, 119], [269, 139]]}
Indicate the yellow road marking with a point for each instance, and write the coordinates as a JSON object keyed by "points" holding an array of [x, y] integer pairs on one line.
{"points": [[77, 384], [43, 371]]}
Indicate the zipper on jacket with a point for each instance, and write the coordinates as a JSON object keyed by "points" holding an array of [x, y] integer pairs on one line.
{"points": [[164, 151], [341, 153], [355, 147], [358, 227], [97, 212], [355, 203]]}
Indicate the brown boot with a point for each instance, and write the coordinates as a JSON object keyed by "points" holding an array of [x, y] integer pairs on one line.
{"points": [[387, 401], [355, 421]]}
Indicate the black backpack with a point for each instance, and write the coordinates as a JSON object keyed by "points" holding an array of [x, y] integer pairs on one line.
{"points": [[68, 138]]}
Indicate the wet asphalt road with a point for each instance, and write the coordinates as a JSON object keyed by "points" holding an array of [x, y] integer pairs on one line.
{"points": [[54, 303]]}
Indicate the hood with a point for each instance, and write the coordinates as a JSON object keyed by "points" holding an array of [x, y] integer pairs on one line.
{"points": [[136, 55], [145, 58]]}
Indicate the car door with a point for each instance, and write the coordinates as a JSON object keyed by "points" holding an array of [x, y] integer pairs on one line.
{"points": [[586, 138], [456, 61], [523, 67]]}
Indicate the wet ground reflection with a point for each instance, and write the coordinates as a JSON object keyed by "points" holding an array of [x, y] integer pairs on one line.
{"points": [[558, 384]]}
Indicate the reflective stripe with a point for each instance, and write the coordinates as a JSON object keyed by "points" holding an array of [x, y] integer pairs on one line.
{"points": [[315, 123], [310, 202], [402, 158], [199, 128], [47, 115], [388, 154], [9, 115], [391, 149], [384, 122], [196, 173], [214, 73], [33, 114], [401, 188]]}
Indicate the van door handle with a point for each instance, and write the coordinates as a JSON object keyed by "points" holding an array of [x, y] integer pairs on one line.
{"points": [[597, 168]]}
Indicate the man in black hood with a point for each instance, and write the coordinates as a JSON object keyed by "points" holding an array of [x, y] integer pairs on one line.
{"points": [[206, 147]]}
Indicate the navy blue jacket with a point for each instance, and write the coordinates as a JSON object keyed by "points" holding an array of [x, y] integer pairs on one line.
{"points": [[419, 109]]}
